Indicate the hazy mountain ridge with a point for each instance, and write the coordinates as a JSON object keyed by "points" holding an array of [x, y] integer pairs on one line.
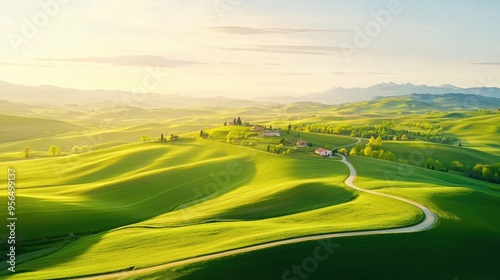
{"points": [[425, 102], [341, 95], [56, 96], [90, 99], [459, 100]]}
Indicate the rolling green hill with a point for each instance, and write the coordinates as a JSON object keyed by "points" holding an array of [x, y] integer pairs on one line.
{"points": [[192, 197], [463, 246], [226, 196], [419, 152], [14, 128]]}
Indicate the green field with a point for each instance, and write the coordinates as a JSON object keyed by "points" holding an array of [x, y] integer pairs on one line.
{"points": [[260, 204], [418, 152], [463, 246], [192, 197]]}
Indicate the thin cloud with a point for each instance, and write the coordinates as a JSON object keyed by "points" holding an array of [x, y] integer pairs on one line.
{"points": [[242, 30], [485, 63], [288, 49], [297, 73], [3, 63], [360, 73], [252, 64], [129, 60]]}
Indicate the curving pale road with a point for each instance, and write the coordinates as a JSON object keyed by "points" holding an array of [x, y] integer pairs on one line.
{"points": [[429, 222]]}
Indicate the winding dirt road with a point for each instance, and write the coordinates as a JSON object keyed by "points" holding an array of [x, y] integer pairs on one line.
{"points": [[429, 222]]}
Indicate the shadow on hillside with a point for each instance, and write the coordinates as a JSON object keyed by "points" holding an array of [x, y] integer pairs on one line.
{"points": [[114, 206]]}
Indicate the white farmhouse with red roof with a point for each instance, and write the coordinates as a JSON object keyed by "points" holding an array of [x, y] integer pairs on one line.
{"points": [[323, 152]]}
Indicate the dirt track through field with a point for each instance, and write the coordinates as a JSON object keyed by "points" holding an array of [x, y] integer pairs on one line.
{"points": [[427, 223]]}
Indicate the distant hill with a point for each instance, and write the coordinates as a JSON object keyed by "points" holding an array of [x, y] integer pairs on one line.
{"points": [[341, 95], [52, 95], [457, 101], [13, 128], [421, 103]]}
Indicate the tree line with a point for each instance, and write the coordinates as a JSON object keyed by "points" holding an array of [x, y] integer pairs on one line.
{"points": [[54, 150], [480, 171], [372, 149], [386, 130], [236, 121]]}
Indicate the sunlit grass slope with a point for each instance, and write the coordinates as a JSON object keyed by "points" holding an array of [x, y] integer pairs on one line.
{"points": [[481, 132], [14, 128], [419, 152], [155, 199], [464, 245], [113, 187], [475, 129]]}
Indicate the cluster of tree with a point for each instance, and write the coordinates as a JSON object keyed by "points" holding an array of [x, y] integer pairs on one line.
{"points": [[235, 122], [54, 151], [234, 135], [386, 130], [278, 149], [80, 149], [430, 163], [343, 151], [373, 149], [204, 134], [485, 172], [434, 129], [163, 139], [174, 137]]}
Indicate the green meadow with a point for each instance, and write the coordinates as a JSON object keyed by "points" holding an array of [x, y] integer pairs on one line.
{"points": [[464, 245], [127, 202]]}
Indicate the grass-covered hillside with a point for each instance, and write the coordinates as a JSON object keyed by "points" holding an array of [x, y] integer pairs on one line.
{"points": [[227, 196], [156, 186], [463, 246]]}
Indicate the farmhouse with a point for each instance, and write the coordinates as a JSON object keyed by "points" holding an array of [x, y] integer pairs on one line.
{"points": [[230, 123], [256, 128], [323, 152], [270, 133], [301, 144]]}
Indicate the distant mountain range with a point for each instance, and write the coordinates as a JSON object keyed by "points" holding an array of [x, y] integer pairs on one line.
{"points": [[56, 96], [419, 103], [454, 101], [341, 95]]}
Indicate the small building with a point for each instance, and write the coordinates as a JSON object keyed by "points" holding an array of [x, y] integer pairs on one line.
{"points": [[256, 128], [271, 133], [230, 123], [323, 152], [301, 144]]}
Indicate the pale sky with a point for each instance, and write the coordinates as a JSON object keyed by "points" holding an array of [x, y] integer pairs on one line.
{"points": [[248, 47]]}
